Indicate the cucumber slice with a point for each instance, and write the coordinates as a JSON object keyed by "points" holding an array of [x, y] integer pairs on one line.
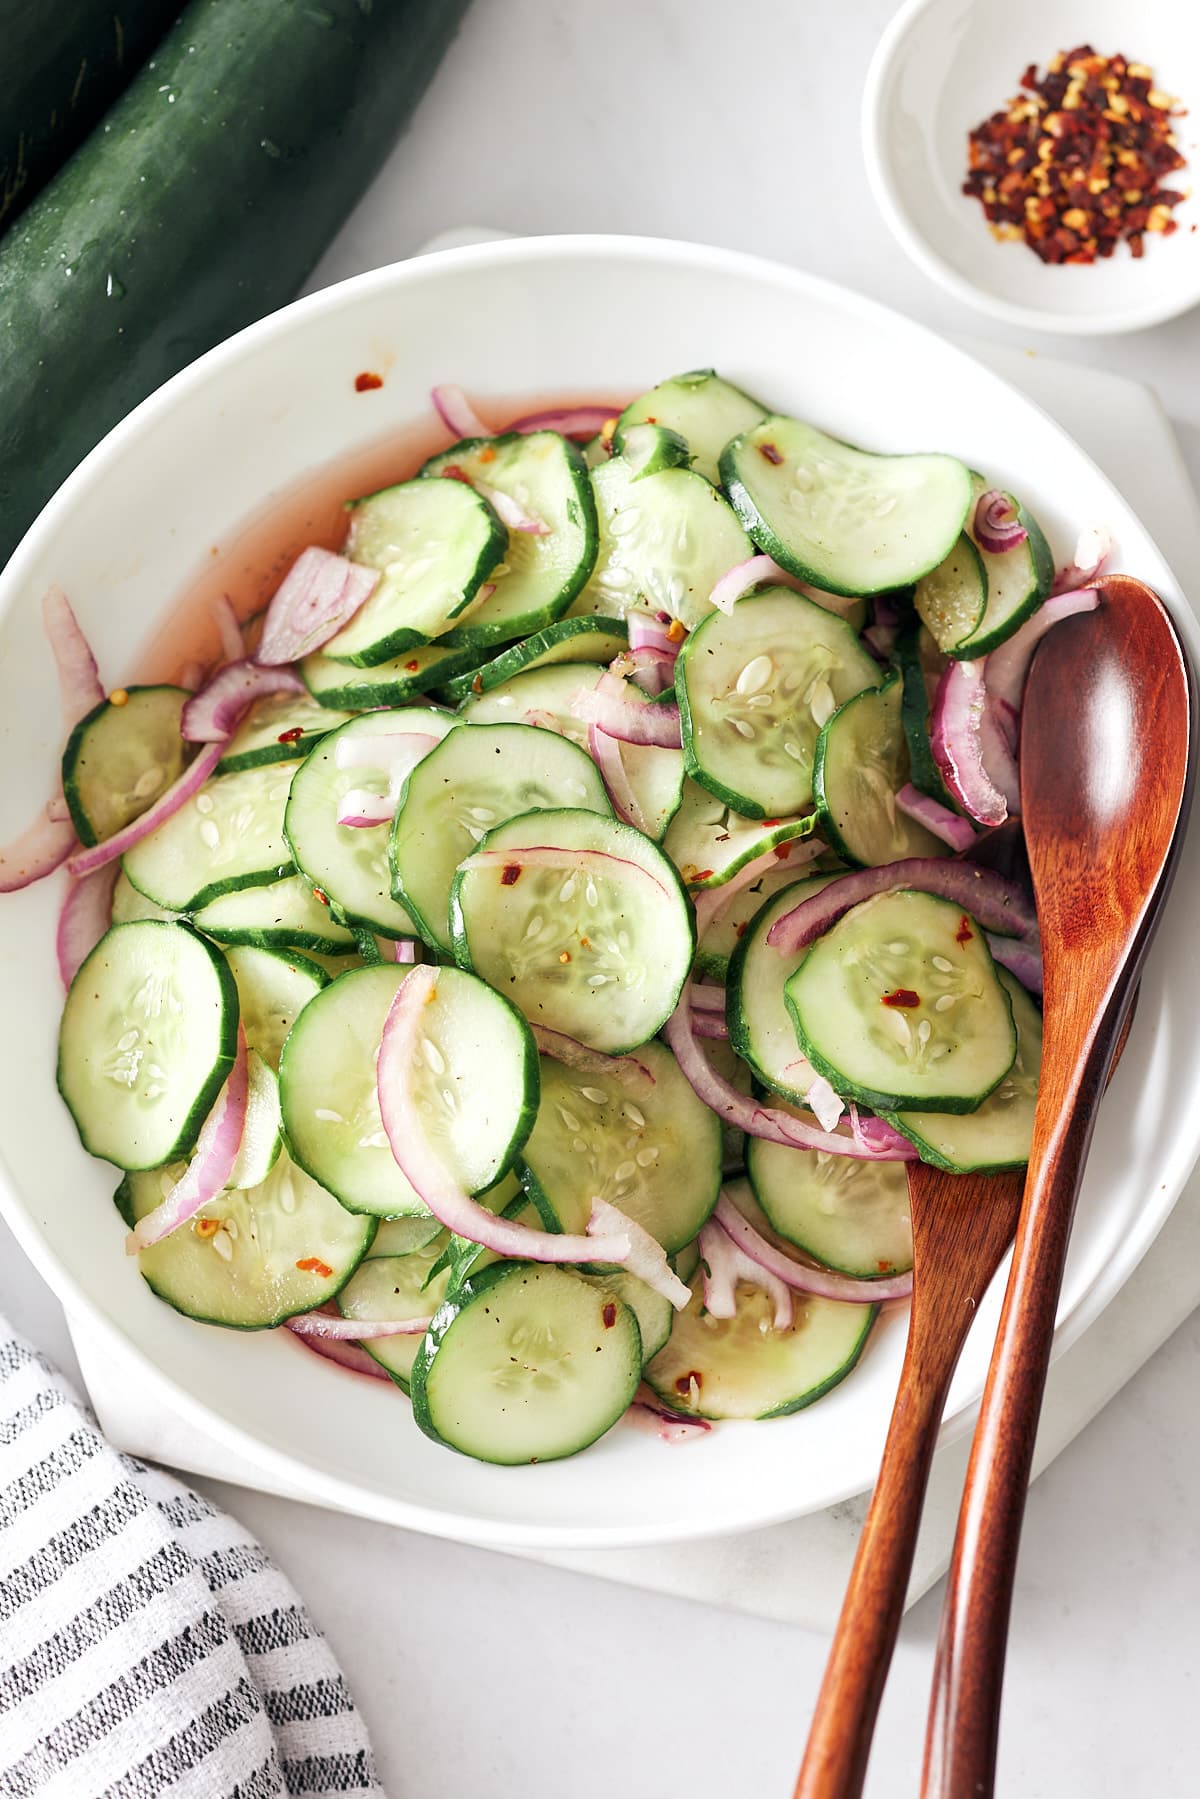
{"points": [[120, 759], [718, 942], [569, 640], [280, 1248], [917, 657], [526, 1363], [400, 1236], [478, 1087], [229, 835], [475, 779], [851, 1000], [859, 766], [396, 1286], [665, 542], [760, 1026], [435, 546], [146, 1040], [406, 677], [262, 1137], [742, 1367], [539, 575], [655, 1315], [129, 905], [755, 688], [507, 1200], [853, 1216], [266, 734], [1012, 585], [845, 519], [999, 1133], [600, 953], [705, 411], [649, 449], [653, 1151], [285, 915], [349, 863], [708, 841], [273, 988]]}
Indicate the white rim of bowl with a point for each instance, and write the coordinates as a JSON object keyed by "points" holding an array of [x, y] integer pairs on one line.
{"points": [[291, 1474], [889, 199]]}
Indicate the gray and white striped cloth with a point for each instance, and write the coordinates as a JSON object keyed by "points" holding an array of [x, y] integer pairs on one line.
{"points": [[148, 1646]]}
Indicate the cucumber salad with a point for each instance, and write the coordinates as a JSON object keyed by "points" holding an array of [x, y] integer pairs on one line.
{"points": [[522, 963]]}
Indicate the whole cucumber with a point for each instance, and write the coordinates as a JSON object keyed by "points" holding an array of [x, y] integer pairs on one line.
{"points": [[200, 202], [63, 63]]}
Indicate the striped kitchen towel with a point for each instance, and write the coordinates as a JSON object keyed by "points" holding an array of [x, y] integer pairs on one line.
{"points": [[148, 1646]]}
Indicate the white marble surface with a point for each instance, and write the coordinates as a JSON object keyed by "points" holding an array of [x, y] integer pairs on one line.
{"points": [[482, 1674]]}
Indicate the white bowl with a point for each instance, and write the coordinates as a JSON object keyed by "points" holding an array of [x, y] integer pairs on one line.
{"points": [[941, 67], [168, 490]]}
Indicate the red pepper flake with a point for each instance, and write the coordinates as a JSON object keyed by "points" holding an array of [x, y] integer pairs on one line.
{"points": [[366, 381], [314, 1265], [321, 897], [703, 874], [771, 453], [884, 1267], [901, 996], [452, 472], [565, 957], [741, 929], [964, 932], [684, 1382], [510, 874], [477, 684], [1074, 165], [782, 850], [609, 1315], [292, 736], [412, 666], [676, 631], [487, 454]]}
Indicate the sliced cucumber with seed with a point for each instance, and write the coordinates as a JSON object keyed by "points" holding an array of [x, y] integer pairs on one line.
{"points": [[119, 759], [900, 1006], [569, 640], [285, 915], [845, 519], [349, 863], [651, 1149], [539, 573], [404, 678], [999, 1133], [599, 953], [267, 733], [273, 988], [228, 835], [395, 1287], [755, 687], [262, 1136], [147, 1038], [859, 766], [475, 779], [705, 411], [978, 597], [253, 1256], [435, 547], [526, 1363], [709, 842], [655, 1315], [951, 598], [129, 905], [853, 1216], [649, 449], [761, 1029], [539, 690]]}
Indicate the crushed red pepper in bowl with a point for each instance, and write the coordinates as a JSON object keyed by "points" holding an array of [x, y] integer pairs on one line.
{"points": [[1075, 162]]}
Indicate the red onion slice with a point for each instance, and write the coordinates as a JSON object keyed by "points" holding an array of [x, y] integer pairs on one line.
{"points": [[1092, 551], [346, 1355], [456, 411], [647, 633], [878, 1135], [360, 809], [164, 807], [996, 525], [211, 1165], [605, 705], [85, 916], [651, 666], [605, 752], [709, 999], [214, 713], [998, 904], [1024, 960], [611, 1237], [742, 577], [37, 852], [1006, 668], [57, 809], [333, 1327], [578, 1056], [582, 422], [510, 512], [745, 1113], [712, 902], [709, 1026], [999, 755], [320, 593], [546, 855], [404, 950], [880, 640], [958, 832], [955, 737], [229, 629], [78, 677], [725, 1263], [821, 1283]]}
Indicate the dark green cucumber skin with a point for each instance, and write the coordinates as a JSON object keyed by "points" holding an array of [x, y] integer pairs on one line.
{"points": [[520, 657], [819, 1391], [65, 62], [200, 203], [1042, 558], [914, 716]]}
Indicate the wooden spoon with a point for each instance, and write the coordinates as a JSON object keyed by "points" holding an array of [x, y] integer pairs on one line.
{"points": [[1106, 781]]}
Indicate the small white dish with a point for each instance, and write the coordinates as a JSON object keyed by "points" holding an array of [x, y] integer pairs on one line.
{"points": [[940, 68], [171, 490]]}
